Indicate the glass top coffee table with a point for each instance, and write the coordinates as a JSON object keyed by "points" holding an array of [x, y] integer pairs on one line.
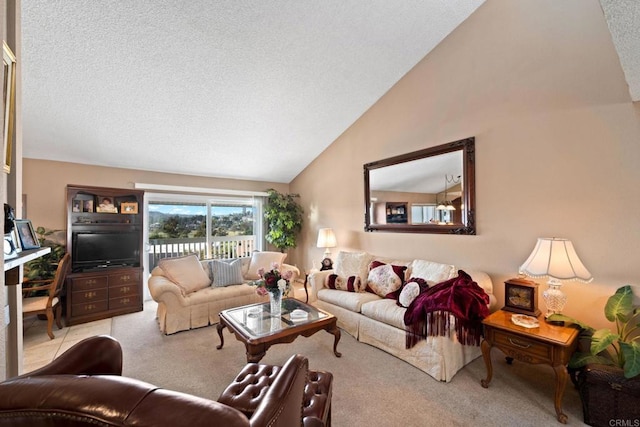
{"points": [[254, 326]]}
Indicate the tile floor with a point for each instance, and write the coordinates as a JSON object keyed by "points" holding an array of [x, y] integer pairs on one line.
{"points": [[40, 350]]}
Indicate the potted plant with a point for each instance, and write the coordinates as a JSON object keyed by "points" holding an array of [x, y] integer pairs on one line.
{"points": [[284, 219], [609, 366], [44, 268]]}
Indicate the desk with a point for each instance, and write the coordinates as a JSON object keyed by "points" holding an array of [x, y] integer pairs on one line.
{"points": [[548, 344], [11, 271]]}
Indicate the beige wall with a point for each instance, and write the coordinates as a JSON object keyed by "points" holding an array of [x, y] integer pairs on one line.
{"points": [[539, 84], [44, 186]]}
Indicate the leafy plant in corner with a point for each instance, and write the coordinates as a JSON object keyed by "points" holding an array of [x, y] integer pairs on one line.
{"points": [[44, 268], [620, 348], [284, 219]]}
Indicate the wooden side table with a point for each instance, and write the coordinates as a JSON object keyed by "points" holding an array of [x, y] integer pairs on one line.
{"points": [[548, 344]]}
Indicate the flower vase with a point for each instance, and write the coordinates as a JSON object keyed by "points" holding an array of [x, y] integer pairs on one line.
{"points": [[275, 302]]}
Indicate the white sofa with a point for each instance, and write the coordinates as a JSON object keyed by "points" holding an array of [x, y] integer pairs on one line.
{"points": [[190, 292], [379, 321]]}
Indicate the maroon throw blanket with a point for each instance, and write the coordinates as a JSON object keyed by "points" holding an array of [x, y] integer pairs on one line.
{"points": [[428, 314]]}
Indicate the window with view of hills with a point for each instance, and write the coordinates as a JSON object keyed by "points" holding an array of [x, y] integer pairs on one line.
{"points": [[209, 227]]}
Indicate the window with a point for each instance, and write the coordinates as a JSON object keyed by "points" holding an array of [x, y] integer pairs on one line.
{"points": [[211, 227], [424, 214]]}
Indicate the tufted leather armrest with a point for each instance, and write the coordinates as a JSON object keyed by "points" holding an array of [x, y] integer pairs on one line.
{"points": [[251, 385]]}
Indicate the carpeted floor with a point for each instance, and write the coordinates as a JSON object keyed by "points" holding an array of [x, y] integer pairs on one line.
{"points": [[371, 387]]}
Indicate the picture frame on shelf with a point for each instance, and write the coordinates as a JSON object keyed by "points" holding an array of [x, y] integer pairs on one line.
{"points": [[87, 206], [28, 236], [521, 296], [9, 102], [106, 205], [129, 207]]}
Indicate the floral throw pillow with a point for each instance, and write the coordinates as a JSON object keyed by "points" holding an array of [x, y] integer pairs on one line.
{"points": [[350, 284], [385, 280], [410, 290]]}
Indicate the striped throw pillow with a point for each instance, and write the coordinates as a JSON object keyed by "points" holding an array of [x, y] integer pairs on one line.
{"points": [[225, 274]]}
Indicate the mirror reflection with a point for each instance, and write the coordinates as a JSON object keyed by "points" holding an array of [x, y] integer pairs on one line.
{"points": [[428, 191]]}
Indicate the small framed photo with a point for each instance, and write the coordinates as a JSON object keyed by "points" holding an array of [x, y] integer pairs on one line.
{"points": [[129, 207], [28, 237], [521, 296], [106, 205], [87, 206]]}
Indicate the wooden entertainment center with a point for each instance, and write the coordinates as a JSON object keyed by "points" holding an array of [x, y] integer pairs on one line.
{"points": [[106, 277]]}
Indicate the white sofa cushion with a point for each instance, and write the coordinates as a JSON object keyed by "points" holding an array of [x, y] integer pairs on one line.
{"points": [[263, 260], [432, 272], [186, 272], [385, 311], [349, 300], [353, 264]]}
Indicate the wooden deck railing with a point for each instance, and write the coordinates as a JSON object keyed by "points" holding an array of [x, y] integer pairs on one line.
{"points": [[221, 248]]}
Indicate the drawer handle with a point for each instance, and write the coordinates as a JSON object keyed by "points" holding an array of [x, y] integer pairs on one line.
{"points": [[519, 343]]}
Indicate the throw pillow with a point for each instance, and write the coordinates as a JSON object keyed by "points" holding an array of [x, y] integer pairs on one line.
{"points": [[186, 272], [263, 260], [410, 290], [432, 271], [225, 273], [352, 264], [385, 280], [350, 284]]}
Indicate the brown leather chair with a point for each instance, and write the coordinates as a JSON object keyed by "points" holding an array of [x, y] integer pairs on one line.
{"points": [[83, 387], [46, 304]]}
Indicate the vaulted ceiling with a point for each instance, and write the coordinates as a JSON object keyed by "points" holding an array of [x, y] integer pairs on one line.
{"points": [[245, 89]]}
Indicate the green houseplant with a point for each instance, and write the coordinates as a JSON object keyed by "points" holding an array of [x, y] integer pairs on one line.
{"points": [[608, 368], [284, 219], [620, 348], [44, 268]]}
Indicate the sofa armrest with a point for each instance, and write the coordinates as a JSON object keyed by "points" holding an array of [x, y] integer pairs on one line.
{"points": [[484, 281], [316, 280], [160, 285], [97, 355], [295, 271]]}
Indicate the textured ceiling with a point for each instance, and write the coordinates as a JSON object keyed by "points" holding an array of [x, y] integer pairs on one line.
{"points": [[247, 89], [623, 19], [242, 89]]}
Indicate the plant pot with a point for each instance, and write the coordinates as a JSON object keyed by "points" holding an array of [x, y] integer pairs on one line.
{"points": [[608, 398]]}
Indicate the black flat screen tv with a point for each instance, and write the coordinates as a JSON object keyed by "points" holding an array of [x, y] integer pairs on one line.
{"points": [[99, 249]]}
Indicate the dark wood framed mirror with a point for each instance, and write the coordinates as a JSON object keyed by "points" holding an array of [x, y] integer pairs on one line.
{"points": [[426, 191]]}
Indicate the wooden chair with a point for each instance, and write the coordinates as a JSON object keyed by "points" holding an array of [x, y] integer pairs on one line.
{"points": [[48, 303]]}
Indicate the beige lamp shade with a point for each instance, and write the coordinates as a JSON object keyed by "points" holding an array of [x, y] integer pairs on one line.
{"points": [[326, 238], [556, 258]]}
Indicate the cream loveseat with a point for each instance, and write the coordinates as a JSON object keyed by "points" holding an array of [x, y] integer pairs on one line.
{"points": [[379, 321], [191, 292]]}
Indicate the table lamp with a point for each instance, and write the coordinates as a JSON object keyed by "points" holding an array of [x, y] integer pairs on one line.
{"points": [[557, 259], [326, 240]]}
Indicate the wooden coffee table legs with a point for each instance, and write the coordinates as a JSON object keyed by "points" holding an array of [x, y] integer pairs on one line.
{"points": [[256, 349]]}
